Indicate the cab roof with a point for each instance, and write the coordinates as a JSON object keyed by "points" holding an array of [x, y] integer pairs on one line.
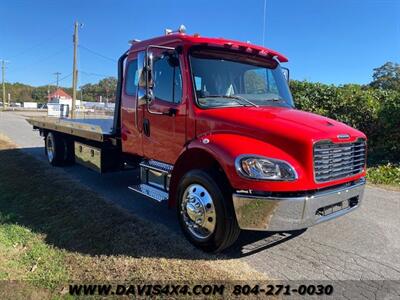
{"points": [[207, 41]]}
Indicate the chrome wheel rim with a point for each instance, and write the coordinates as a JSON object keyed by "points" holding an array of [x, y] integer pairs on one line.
{"points": [[50, 148], [198, 211]]}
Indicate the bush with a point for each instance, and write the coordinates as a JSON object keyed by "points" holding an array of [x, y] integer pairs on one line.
{"points": [[375, 112], [385, 174]]}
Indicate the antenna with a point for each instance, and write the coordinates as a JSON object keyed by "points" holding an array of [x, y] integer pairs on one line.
{"points": [[264, 21]]}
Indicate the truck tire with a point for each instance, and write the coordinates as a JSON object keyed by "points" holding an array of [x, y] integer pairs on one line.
{"points": [[56, 149], [70, 154], [205, 211]]}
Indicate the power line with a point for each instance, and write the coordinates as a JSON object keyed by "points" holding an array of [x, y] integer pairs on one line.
{"points": [[97, 53], [60, 79], [57, 76], [35, 46], [95, 74], [39, 61]]}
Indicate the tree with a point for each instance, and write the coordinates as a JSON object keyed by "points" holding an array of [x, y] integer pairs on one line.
{"points": [[20, 92], [387, 76], [108, 87], [105, 88], [39, 94]]}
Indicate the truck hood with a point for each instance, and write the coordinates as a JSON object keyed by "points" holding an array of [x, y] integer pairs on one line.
{"points": [[281, 127]]}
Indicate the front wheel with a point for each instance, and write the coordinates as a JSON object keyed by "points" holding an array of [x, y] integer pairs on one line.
{"points": [[205, 211]]}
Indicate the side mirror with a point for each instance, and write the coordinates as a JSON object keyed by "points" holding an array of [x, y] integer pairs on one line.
{"points": [[146, 78], [149, 77], [145, 84], [149, 69], [173, 60], [285, 72]]}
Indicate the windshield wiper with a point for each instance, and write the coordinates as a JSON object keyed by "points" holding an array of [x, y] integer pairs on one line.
{"points": [[275, 99], [279, 100], [234, 97]]}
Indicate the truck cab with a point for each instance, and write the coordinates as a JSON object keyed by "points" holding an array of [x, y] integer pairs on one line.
{"points": [[213, 127]]}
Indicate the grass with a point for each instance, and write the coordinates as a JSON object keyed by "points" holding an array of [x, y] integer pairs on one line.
{"points": [[387, 175], [54, 231]]}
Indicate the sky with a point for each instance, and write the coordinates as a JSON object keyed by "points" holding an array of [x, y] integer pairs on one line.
{"points": [[328, 41]]}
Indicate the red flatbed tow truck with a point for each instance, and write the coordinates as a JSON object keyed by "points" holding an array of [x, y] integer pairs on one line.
{"points": [[212, 126]]}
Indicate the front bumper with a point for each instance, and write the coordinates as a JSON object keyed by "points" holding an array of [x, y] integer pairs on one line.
{"points": [[292, 213]]}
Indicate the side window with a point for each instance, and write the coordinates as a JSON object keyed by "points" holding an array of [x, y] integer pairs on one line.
{"points": [[167, 80], [131, 78]]}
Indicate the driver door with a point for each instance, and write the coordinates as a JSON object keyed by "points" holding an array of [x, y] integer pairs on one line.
{"points": [[164, 122]]}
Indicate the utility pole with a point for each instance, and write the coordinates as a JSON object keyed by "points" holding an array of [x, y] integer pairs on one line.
{"points": [[74, 69], [3, 72], [57, 76]]}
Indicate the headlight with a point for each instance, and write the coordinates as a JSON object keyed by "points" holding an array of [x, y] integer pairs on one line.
{"points": [[259, 167]]}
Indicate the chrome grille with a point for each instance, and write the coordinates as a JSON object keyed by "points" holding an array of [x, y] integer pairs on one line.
{"points": [[335, 161]]}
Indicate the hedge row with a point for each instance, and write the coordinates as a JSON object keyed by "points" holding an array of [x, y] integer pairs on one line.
{"points": [[375, 112]]}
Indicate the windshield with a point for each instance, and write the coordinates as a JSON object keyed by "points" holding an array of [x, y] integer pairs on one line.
{"points": [[225, 79]]}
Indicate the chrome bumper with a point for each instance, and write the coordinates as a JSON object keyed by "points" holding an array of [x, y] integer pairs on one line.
{"points": [[292, 213]]}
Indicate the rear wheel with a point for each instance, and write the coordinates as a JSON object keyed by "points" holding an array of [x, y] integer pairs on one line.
{"points": [[205, 211], [56, 149]]}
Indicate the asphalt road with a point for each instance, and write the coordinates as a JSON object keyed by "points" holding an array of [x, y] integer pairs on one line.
{"points": [[363, 245]]}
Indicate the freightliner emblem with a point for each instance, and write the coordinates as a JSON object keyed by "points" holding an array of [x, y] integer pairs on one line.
{"points": [[344, 136]]}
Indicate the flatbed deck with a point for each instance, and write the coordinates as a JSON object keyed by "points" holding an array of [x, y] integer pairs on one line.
{"points": [[92, 129]]}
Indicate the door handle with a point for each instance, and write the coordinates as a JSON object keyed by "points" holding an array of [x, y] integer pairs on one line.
{"points": [[171, 112], [146, 127]]}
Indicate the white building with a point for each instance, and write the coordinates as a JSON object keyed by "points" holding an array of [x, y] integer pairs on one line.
{"points": [[61, 97]]}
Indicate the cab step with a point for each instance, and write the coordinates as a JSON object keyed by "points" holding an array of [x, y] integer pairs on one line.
{"points": [[149, 191], [154, 180], [157, 166]]}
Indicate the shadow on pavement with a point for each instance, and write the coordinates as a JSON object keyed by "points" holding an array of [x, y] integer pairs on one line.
{"points": [[251, 242], [42, 198]]}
